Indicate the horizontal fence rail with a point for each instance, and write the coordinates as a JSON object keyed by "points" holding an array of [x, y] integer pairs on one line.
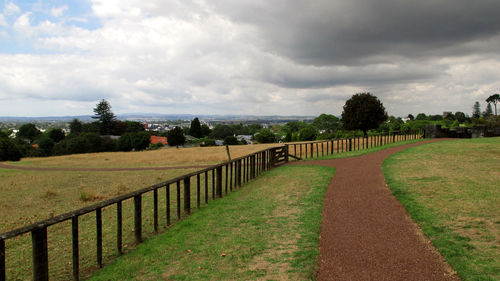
{"points": [[176, 197]]}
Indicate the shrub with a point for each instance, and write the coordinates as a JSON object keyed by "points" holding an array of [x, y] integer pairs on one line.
{"points": [[9, 151], [265, 136], [231, 140]]}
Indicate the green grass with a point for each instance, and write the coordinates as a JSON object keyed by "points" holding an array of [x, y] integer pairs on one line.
{"points": [[451, 190], [267, 230]]}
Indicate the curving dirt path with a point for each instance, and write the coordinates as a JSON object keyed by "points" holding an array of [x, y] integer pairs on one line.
{"points": [[28, 168], [366, 233]]}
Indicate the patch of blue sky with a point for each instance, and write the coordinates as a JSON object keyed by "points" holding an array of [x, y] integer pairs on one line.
{"points": [[76, 13]]}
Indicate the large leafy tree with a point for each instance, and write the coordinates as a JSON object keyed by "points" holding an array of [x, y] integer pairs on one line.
{"points": [[105, 117], [28, 132], [327, 123], [494, 99], [363, 112], [195, 129], [176, 137], [265, 136]]}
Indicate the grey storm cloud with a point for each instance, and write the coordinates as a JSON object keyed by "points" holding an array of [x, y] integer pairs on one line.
{"points": [[361, 31]]}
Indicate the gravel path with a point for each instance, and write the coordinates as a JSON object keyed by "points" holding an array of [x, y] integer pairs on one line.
{"points": [[366, 233]]}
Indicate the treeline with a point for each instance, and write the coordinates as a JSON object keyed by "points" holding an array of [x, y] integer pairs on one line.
{"points": [[83, 138]]}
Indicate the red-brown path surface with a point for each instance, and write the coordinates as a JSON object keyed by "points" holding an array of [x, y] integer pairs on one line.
{"points": [[366, 233]]}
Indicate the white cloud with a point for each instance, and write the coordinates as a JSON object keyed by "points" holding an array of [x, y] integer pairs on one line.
{"points": [[191, 57], [58, 11], [22, 24], [3, 21], [11, 9]]}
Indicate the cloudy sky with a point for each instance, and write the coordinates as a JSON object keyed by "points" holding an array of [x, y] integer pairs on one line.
{"points": [[261, 57]]}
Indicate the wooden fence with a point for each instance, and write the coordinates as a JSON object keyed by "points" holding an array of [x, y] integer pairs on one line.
{"points": [[180, 196], [306, 150]]}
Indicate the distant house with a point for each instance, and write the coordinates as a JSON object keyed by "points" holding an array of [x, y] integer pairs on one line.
{"points": [[246, 138], [156, 139]]}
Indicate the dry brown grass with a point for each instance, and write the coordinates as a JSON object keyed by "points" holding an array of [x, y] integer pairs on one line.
{"points": [[165, 157]]}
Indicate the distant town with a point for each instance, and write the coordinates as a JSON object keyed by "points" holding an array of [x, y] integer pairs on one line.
{"points": [[154, 123]]}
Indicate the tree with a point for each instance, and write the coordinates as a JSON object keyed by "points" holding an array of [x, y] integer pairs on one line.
{"points": [[265, 136], [488, 111], [105, 117], [363, 112], [134, 140], [327, 123], [421, 116], [175, 137], [75, 127], [28, 132], [308, 133], [195, 128], [56, 134], [494, 99], [411, 117], [45, 145], [134, 126], [476, 110], [460, 117], [222, 131], [231, 140], [8, 149], [205, 130]]}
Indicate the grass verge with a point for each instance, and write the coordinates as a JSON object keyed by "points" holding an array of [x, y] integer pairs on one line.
{"points": [[268, 230], [451, 190]]}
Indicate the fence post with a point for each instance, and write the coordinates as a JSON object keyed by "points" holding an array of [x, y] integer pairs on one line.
{"points": [[252, 166], [155, 210], [219, 181], [263, 161], [76, 252], [198, 190], [187, 195], [2, 260], [119, 227], [138, 218], [238, 172], [40, 254], [286, 153], [98, 221]]}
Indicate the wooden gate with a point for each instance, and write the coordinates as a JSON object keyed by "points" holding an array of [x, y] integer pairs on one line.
{"points": [[279, 155]]}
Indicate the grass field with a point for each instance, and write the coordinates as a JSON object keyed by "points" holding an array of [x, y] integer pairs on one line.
{"points": [[30, 196], [164, 157], [451, 189], [268, 230]]}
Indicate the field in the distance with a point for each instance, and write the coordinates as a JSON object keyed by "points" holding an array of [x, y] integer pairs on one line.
{"points": [[451, 189], [165, 157], [29, 196]]}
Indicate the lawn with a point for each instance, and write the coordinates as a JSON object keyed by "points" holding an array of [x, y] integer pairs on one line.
{"points": [[451, 189], [268, 230]]}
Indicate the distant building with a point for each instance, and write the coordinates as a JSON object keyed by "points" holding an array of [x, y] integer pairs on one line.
{"points": [[156, 139], [246, 138]]}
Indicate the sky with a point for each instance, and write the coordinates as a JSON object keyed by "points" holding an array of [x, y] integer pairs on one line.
{"points": [[251, 57]]}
